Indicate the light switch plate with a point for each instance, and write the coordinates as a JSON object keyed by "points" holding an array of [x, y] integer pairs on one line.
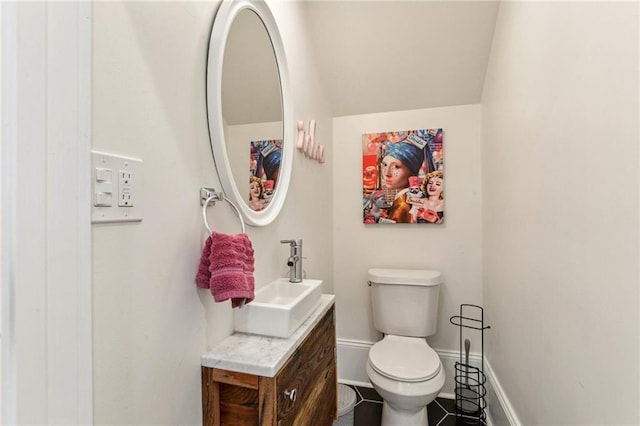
{"points": [[106, 178]]}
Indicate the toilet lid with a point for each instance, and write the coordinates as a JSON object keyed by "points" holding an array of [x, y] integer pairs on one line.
{"points": [[407, 359]]}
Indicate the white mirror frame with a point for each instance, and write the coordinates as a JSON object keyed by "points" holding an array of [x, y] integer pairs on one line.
{"points": [[225, 17]]}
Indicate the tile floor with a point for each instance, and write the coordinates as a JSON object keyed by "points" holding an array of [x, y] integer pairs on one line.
{"points": [[368, 409]]}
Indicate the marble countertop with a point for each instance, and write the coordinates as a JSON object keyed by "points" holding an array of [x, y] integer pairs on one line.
{"points": [[262, 355]]}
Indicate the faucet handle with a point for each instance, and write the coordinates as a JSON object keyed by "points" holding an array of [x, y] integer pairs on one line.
{"points": [[292, 242]]}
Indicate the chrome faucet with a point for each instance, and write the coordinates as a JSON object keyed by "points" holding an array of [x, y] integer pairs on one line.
{"points": [[295, 260]]}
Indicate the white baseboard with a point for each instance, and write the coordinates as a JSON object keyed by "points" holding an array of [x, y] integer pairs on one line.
{"points": [[352, 361], [500, 409], [354, 383]]}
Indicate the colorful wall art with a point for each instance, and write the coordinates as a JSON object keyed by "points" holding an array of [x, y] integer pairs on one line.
{"points": [[403, 177], [264, 168]]}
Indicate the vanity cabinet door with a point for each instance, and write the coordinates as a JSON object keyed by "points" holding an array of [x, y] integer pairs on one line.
{"points": [[307, 385]]}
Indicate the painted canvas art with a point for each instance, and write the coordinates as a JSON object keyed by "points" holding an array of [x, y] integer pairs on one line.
{"points": [[403, 177], [264, 169]]}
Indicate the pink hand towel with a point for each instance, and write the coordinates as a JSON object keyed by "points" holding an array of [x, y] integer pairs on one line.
{"points": [[229, 264], [203, 277], [249, 264]]}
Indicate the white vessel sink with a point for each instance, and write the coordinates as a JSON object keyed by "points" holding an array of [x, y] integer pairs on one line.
{"points": [[279, 308]]}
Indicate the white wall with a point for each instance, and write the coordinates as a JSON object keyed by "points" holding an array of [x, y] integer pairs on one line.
{"points": [[560, 208], [454, 248], [3, 299], [151, 324]]}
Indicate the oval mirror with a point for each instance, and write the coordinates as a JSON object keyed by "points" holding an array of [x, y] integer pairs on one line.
{"points": [[249, 109]]}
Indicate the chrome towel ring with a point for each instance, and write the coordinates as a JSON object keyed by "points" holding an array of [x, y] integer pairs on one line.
{"points": [[209, 196]]}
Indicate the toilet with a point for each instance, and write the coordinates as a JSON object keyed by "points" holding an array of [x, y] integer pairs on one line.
{"points": [[402, 367]]}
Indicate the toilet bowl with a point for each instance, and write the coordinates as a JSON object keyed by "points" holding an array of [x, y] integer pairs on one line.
{"points": [[408, 375]]}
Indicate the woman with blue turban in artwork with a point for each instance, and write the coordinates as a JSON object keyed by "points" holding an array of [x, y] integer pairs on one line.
{"points": [[401, 161], [270, 155], [271, 165]]}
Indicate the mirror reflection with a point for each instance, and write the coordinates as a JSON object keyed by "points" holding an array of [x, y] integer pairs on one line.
{"points": [[252, 109], [264, 171]]}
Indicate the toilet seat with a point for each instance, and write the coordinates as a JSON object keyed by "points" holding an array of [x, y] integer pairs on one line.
{"points": [[406, 359]]}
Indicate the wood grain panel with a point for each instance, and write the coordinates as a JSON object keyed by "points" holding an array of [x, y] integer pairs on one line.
{"points": [[241, 396], [235, 378], [307, 372], [323, 410], [238, 405], [210, 399], [267, 398], [237, 415]]}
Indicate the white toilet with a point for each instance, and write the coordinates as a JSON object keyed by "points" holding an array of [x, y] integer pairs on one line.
{"points": [[402, 367]]}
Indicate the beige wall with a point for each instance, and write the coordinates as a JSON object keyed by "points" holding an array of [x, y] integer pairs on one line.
{"points": [[151, 324], [454, 248], [560, 211]]}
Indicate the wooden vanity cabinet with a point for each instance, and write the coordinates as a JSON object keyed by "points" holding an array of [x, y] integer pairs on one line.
{"points": [[303, 392]]}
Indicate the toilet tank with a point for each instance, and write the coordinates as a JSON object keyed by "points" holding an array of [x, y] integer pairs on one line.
{"points": [[405, 301]]}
